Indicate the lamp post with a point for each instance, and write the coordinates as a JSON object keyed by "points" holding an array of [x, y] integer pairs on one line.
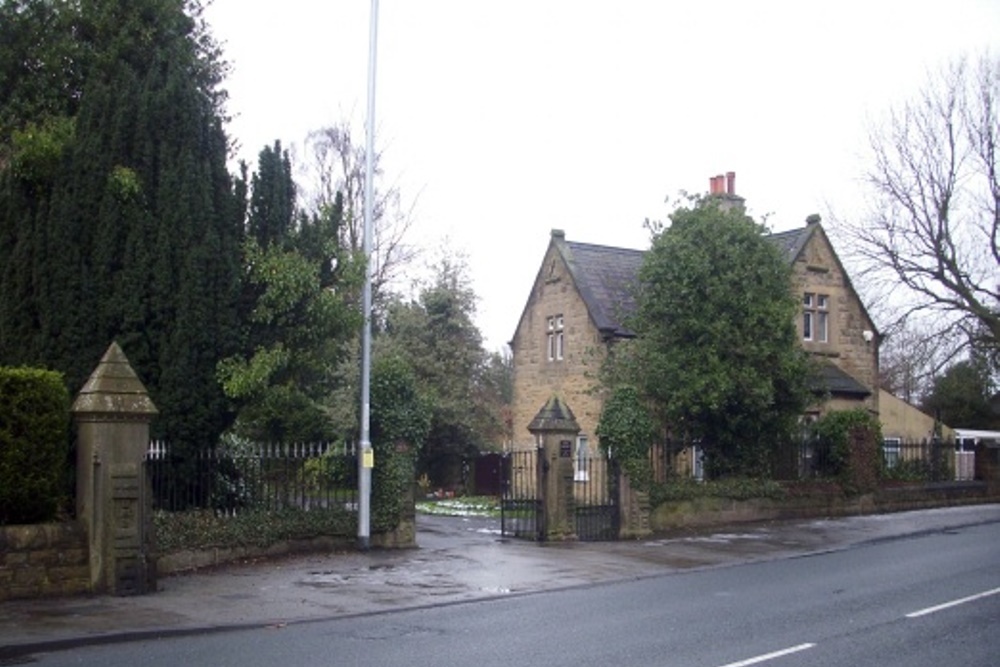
{"points": [[366, 457]]}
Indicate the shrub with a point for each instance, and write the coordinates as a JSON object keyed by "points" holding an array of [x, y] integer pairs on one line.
{"points": [[203, 529], [733, 488], [855, 440], [34, 444]]}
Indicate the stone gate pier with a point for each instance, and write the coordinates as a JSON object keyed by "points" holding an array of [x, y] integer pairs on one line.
{"points": [[112, 413]]}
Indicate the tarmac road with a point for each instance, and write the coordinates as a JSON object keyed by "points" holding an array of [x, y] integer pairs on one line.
{"points": [[458, 559]]}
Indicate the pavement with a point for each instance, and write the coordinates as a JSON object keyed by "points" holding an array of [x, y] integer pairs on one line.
{"points": [[458, 559]]}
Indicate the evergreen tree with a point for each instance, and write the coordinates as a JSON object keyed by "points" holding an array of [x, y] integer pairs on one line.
{"points": [[437, 336], [960, 397], [272, 202], [296, 312], [716, 352], [130, 229]]}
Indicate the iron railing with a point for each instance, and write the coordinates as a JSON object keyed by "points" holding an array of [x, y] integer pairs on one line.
{"points": [[931, 460], [253, 476]]}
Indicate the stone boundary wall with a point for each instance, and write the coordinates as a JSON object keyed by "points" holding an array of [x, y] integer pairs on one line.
{"points": [[404, 537], [711, 512], [43, 560], [52, 559]]}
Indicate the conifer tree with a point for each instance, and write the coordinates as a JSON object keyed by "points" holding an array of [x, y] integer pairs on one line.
{"points": [[296, 311], [122, 215]]}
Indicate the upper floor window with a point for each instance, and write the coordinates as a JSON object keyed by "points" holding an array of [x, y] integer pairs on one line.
{"points": [[816, 317], [555, 338]]}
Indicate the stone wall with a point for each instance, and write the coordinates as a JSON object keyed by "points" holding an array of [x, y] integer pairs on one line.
{"points": [[403, 537], [43, 560], [714, 512]]}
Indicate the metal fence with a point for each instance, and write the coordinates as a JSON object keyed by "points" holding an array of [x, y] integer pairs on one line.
{"points": [[928, 460], [251, 476], [925, 460]]}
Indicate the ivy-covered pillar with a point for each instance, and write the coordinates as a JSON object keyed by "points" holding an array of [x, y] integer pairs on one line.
{"points": [[555, 430], [112, 413]]}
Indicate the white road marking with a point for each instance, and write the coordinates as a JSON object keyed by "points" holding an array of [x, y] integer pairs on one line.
{"points": [[770, 656], [953, 603]]}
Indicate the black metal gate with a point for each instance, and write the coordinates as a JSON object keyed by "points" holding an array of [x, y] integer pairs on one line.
{"points": [[521, 503], [595, 492], [595, 508]]}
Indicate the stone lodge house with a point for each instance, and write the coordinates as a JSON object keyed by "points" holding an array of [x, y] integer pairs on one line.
{"points": [[581, 296]]}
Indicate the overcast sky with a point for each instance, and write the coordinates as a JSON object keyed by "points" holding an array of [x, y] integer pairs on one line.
{"points": [[501, 120]]}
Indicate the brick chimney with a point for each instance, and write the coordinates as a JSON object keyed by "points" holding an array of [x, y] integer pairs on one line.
{"points": [[723, 187]]}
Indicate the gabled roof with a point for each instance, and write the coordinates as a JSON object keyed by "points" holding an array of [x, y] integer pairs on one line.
{"points": [[792, 242], [606, 276]]}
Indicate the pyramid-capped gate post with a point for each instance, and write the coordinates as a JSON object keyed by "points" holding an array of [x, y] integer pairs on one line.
{"points": [[555, 430], [112, 413]]}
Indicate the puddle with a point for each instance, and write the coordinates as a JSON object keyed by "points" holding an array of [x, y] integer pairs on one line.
{"points": [[496, 590]]}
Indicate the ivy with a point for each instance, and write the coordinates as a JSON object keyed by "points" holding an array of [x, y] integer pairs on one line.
{"points": [[733, 488], [854, 439], [201, 529], [627, 430], [400, 422]]}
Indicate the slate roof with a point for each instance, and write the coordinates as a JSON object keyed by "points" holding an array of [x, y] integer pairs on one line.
{"points": [[792, 242], [836, 381], [606, 276]]}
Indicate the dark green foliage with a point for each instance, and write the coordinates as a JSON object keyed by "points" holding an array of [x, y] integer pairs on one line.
{"points": [[627, 430], [34, 441], [736, 488], [118, 219], [272, 202], [42, 66], [178, 531], [717, 354], [437, 336], [853, 439], [960, 397], [37, 151], [400, 422], [296, 309], [399, 412]]}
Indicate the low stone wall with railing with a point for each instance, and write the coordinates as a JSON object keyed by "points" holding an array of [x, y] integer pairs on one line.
{"points": [[256, 500], [709, 512]]}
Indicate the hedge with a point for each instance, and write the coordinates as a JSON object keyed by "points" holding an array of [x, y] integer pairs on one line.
{"points": [[34, 444]]}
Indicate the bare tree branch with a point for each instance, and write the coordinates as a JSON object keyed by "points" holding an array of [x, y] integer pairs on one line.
{"points": [[927, 248], [338, 163]]}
